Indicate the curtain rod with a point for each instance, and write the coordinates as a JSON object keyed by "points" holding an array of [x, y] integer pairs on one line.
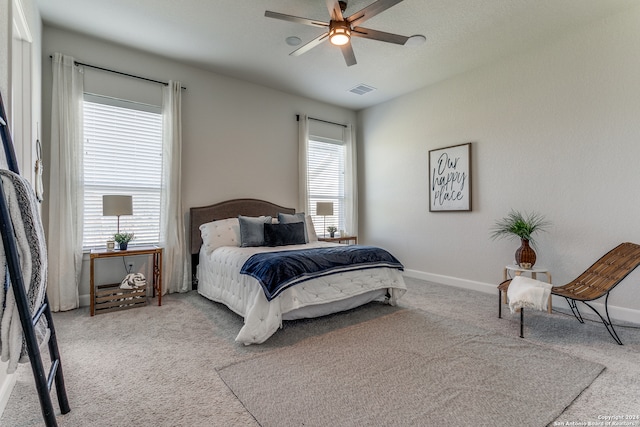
{"points": [[320, 120], [121, 73]]}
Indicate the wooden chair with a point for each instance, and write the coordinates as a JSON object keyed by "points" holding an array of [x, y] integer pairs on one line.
{"points": [[596, 282]]}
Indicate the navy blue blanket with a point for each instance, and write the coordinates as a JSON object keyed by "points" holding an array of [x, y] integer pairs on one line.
{"points": [[277, 271]]}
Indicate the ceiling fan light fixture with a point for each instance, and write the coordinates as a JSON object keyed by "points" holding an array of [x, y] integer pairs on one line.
{"points": [[339, 33], [340, 27]]}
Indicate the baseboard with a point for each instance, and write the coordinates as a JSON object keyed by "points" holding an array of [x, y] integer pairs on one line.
{"points": [[620, 314], [488, 288]]}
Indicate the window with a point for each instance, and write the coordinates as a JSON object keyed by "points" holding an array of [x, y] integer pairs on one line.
{"points": [[326, 180], [122, 155]]}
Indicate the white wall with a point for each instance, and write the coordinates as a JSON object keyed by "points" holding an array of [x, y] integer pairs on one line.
{"points": [[239, 139], [28, 100], [555, 130], [25, 145]]}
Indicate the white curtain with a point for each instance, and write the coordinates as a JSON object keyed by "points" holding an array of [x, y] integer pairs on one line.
{"points": [[64, 240], [351, 182], [176, 276], [351, 173], [303, 144]]}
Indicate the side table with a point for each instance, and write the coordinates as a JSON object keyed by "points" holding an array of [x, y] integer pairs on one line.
{"points": [[517, 270], [345, 239], [118, 297]]}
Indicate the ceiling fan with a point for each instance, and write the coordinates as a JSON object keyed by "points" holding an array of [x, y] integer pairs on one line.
{"points": [[341, 29]]}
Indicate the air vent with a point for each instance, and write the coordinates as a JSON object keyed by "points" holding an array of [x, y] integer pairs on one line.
{"points": [[361, 89]]}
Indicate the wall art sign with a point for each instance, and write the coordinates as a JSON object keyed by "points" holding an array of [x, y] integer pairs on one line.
{"points": [[450, 178]]}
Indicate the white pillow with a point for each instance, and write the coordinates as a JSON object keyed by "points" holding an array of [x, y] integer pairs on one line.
{"points": [[311, 230], [225, 232]]}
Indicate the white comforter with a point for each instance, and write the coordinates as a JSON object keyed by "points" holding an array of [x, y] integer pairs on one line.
{"points": [[219, 279]]}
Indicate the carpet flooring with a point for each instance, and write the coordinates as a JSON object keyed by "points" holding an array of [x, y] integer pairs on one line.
{"points": [[409, 368], [158, 366]]}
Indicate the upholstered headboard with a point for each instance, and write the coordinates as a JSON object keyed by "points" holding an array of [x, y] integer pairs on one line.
{"points": [[229, 209], [223, 210]]}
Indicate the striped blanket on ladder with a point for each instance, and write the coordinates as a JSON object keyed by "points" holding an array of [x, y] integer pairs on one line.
{"points": [[32, 249]]}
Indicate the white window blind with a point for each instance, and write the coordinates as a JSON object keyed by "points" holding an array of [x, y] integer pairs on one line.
{"points": [[122, 155], [326, 172]]}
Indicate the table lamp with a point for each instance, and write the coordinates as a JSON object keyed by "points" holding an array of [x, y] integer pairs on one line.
{"points": [[116, 205], [324, 209]]}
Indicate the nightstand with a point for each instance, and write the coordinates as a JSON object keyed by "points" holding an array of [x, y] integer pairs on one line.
{"points": [[110, 297], [343, 239]]}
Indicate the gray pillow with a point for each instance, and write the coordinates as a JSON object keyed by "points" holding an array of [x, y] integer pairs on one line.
{"points": [[292, 219], [252, 230]]}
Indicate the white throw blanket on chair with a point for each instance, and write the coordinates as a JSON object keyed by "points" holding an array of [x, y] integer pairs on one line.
{"points": [[524, 292], [30, 241]]}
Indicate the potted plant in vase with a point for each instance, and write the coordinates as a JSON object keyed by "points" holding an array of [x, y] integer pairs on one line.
{"points": [[123, 240], [523, 227], [332, 230]]}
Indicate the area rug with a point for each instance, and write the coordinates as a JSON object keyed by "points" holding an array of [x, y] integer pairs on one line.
{"points": [[409, 368]]}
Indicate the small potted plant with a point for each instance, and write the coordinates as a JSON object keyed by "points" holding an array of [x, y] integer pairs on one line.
{"points": [[523, 227], [123, 240], [332, 230]]}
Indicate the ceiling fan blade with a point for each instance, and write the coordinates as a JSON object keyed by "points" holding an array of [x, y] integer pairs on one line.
{"points": [[334, 10], [295, 19], [307, 47], [370, 11], [349, 56], [368, 33]]}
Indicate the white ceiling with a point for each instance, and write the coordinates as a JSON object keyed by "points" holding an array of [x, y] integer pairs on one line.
{"points": [[232, 37]]}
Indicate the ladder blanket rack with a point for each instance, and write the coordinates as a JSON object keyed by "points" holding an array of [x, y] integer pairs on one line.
{"points": [[26, 323]]}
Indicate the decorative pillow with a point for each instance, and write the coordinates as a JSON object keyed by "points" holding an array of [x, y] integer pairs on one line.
{"points": [[252, 230], [284, 234], [225, 232], [293, 218]]}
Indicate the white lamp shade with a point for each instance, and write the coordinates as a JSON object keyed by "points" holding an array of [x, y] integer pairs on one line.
{"points": [[324, 208], [116, 205]]}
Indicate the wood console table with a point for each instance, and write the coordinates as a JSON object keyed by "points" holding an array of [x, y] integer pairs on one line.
{"points": [[154, 251], [344, 239]]}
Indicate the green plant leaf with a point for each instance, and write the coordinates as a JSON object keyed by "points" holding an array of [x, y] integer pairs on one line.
{"points": [[519, 225], [123, 237]]}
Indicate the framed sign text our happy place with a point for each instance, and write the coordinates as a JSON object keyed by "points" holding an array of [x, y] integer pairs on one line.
{"points": [[450, 178]]}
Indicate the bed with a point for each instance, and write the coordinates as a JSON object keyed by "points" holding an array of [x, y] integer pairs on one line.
{"points": [[218, 258]]}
